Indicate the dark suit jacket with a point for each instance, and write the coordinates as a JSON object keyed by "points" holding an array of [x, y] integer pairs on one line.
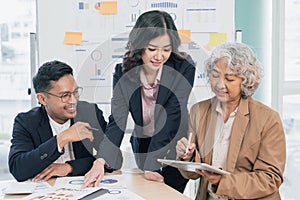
{"points": [[171, 114], [34, 147]]}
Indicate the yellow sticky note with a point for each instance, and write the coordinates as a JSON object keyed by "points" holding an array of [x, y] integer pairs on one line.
{"points": [[217, 38], [108, 7], [73, 38], [185, 35]]}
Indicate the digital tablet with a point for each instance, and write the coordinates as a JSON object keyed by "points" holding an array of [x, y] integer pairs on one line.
{"points": [[192, 166]]}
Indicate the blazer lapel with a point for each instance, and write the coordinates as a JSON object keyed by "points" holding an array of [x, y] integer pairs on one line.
{"points": [[131, 90], [209, 134], [136, 107], [237, 134], [44, 130], [166, 83]]}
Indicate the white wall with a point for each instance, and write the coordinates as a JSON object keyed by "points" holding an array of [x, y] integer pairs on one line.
{"points": [[56, 17]]}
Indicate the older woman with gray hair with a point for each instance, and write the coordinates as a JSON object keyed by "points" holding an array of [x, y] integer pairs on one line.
{"points": [[235, 132]]}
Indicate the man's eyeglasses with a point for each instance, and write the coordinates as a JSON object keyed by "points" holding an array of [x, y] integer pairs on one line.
{"points": [[65, 97]]}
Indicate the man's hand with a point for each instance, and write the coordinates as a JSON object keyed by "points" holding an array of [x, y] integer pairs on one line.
{"points": [[153, 176], [93, 177], [77, 132], [52, 170]]}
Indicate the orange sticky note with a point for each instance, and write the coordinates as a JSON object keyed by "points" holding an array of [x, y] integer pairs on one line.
{"points": [[217, 38], [73, 38], [108, 7], [185, 36]]}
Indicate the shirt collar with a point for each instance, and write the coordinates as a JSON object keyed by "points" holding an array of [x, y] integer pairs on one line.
{"points": [[219, 109], [58, 126], [144, 79]]}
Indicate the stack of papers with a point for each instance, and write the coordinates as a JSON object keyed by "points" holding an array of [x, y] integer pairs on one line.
{"points": [[26, 187], [69, 188], [66, 192], [19, 188]]}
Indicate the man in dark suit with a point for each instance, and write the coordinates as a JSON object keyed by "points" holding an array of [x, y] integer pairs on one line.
{"points": [[55, 139]]}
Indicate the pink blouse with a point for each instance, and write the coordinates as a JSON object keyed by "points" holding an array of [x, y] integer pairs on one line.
{"points": [[149, 95]]}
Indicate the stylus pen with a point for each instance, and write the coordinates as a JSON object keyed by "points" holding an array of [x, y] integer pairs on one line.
{"points": [[189, 142], [92, 129]]}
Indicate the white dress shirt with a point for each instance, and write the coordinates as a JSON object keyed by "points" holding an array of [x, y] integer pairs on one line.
{"points": [[68, 149], [221, 145]]}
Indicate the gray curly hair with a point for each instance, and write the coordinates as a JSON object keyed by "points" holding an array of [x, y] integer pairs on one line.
{"points": [[241, 59]]}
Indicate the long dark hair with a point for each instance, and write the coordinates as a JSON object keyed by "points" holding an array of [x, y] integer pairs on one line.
{"points": [[148, 26]]}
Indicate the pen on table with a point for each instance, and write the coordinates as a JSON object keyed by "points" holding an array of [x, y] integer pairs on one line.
{"points": [[189, 142], [92, 129]]}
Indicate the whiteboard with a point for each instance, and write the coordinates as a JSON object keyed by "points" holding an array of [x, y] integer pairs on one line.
{"points": [[104, 28]]}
